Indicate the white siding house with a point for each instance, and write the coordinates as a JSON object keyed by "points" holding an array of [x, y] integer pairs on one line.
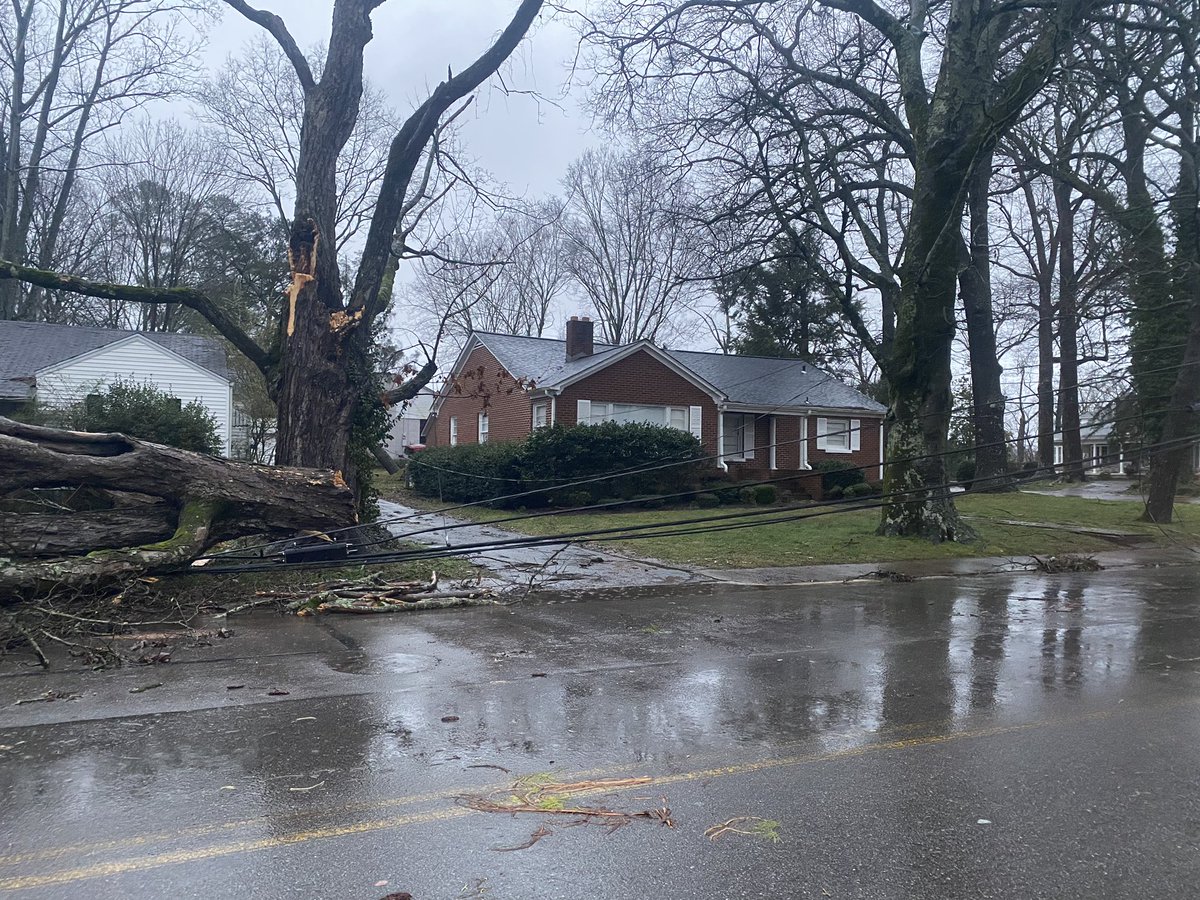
{"points": [[61, 365]]}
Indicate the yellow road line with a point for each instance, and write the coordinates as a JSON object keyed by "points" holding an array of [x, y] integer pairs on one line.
{"points": [[176, 857], [191, 831]]}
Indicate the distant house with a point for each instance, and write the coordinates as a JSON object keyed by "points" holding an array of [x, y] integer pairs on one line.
{"points": [[1103, 452], [751, 414], [59, 365], [408, 428]]}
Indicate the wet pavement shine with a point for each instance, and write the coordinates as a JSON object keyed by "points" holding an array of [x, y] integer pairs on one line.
{"points": [[1011, 736]]}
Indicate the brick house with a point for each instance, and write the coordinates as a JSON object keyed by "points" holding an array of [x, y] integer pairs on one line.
{"points": [[751, 414]]}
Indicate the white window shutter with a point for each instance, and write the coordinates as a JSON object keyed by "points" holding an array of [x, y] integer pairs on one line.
{"points": [[694, 420], [822, 429], [748, 425], [583, 412], [855, 434]]}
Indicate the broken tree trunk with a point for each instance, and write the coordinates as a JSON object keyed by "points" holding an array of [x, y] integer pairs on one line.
{"points": [[207, 500]]}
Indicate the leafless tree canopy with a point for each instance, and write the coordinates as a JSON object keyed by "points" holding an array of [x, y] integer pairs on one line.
{"points": [[630, 244]]}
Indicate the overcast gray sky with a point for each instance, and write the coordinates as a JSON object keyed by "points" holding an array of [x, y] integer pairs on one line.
{"points": [[525, 144]]}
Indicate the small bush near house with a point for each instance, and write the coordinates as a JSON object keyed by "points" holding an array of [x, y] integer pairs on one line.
{"points": [[765, 494], [860, 490], [836, 474], [965, 473], [143, 411], [468, 473], [834, 493], [708, 501]]}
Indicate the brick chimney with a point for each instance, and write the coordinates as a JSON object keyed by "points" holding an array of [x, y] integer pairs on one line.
{"points": [[580, 340]]}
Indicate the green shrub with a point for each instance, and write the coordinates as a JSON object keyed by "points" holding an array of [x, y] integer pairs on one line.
{"points": [[467, 473], [965, 473], [573, 499], [834, 493], [765, 494], [708, 501], [143, 411], [560, 454], [862, 489], [729, 494], [836, 474], [556, 456]]}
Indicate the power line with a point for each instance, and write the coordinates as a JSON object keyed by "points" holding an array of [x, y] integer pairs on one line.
{"points": [[246, 552], [703, 525]]}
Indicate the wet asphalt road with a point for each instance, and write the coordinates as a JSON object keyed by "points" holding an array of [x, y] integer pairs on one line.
{"points": [[1007, 736]]}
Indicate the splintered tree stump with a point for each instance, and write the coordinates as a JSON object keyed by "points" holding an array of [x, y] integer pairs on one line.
{"points": [[187, 502]]}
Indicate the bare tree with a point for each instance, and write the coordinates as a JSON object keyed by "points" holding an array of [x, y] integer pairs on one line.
{"points": [[501, 275], [317, 365], [72, 70], [629, 244], [160, 186], [256, 104], [854, 96]]}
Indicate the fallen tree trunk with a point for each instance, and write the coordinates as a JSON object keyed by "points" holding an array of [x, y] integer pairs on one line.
{"points": [[41, 534], [208, 500]]}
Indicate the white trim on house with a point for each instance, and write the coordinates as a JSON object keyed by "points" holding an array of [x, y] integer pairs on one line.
{"points": [[771, 462], [803, 456], [881, 451]]}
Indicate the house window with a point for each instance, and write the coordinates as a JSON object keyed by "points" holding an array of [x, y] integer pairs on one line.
{"points": [[837, 435], [483, 428], [626, 413], [541, 415], [453, 431], [737, 442]]}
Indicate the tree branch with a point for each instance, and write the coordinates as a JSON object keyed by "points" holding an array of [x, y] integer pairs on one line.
{"points": [[217, 317], [406, 151], [277, 29]]}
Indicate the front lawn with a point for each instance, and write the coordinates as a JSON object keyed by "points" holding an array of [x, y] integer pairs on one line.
{"points": [[847, 536]]}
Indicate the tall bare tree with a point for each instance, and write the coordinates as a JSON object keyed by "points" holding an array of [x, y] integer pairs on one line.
{"points": [[318, 365], [908, 96], [630, 246], [72, 70], [256, 105]]}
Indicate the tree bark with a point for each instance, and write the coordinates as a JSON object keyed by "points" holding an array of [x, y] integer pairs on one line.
{"points": [[975, 286], [29, 534], [1170, 463], [211, 500], [1068, 336]]}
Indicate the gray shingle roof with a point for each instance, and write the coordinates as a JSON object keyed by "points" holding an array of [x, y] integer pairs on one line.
{"points": [[769, 382], [28, 347], [746, 380]]}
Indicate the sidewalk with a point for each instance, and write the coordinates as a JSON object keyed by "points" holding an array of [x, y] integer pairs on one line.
{"points": [[569, 567], [942, 568]]}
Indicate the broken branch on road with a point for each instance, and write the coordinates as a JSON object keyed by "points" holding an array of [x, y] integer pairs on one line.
{"points": [[538, 794]]}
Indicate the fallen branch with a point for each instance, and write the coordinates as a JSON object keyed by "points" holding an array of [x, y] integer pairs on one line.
{"points": [[767, 829], [549, 798]]}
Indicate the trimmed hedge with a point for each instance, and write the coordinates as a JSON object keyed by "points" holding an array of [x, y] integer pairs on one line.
{"points": [[468, 473], [471, 473]]}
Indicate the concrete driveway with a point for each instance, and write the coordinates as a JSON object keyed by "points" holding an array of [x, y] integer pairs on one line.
{"points": [[557, 566]]}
